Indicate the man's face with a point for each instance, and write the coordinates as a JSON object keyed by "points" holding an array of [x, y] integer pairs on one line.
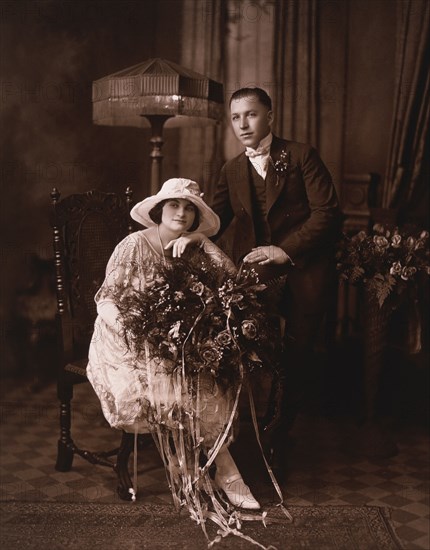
{"points": [[250, 120]]}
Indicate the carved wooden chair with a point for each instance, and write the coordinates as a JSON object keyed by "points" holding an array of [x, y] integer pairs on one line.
{"points": [[86, 228]]}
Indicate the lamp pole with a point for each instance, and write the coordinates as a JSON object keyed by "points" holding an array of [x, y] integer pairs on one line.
{"points": [[157, 123]]}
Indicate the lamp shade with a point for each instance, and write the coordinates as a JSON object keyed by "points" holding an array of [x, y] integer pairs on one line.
{"points": [[155, 87]]}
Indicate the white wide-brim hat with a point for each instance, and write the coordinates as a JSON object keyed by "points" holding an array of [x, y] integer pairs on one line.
{"points": [[178, 188]]}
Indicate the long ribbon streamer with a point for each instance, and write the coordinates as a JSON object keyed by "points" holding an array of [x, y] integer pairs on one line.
{"points": [[269, 469]]}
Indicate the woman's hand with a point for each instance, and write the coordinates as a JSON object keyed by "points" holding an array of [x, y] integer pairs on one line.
{"points": [[179, 245], [267, 255]]}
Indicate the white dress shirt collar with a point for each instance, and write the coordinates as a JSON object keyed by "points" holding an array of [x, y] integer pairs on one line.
{"points": [[259, 157]]}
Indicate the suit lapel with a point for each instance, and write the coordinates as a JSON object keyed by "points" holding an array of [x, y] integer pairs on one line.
{"points": [[274, 182]]}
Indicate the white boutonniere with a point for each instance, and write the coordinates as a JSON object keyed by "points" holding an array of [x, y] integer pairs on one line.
{"points": [[281, 165]]}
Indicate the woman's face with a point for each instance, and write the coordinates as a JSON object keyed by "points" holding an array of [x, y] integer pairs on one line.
{"points": [[178, 215]]}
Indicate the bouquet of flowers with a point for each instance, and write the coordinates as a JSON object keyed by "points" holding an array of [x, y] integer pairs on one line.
{"points": [[196, 316], [388, 260]]}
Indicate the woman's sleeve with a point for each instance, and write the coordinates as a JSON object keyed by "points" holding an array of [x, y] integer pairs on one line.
{"points": [[219, 257], [121, 275]]}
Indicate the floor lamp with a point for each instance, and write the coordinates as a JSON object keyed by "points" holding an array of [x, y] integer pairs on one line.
{"points": [[156, 90]]}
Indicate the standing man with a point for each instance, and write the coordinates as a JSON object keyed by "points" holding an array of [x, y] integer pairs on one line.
{"points": [[286, 217]]}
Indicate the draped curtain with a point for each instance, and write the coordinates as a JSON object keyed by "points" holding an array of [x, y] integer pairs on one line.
{"points": [[406, 185], [296, 71], [200, 148], [248, 37]]}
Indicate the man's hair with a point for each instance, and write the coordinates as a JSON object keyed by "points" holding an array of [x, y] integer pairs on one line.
{"points": [[156, 213], [260, 94]]}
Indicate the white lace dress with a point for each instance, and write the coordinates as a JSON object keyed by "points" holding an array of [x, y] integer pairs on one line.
{"points": [[137, 394]]}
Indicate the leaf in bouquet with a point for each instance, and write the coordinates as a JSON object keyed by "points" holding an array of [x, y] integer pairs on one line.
{"points": [[382, 294], [383, 286], [356, 274], [252, 356], [257, 288]]}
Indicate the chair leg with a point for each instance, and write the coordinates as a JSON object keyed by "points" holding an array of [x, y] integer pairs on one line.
{"points": [[65, 444], [121, 466]]}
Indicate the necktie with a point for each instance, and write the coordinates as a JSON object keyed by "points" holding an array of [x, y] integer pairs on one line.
{"points": [[253, 153]]}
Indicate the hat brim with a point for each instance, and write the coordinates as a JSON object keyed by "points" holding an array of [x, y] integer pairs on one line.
{"points": [[209, 221]]}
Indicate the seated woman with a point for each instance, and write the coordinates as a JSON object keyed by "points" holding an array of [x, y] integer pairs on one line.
{"points": [[140, 392]]}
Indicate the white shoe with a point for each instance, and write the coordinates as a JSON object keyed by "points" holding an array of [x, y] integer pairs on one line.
{"points": [[236, 491]]}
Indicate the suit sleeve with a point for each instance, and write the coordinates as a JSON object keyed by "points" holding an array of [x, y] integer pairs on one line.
{"points": [[321, 226], [221, 203]]}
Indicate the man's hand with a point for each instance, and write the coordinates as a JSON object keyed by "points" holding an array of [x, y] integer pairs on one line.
{"points": [[263, 255], [180, 244]]}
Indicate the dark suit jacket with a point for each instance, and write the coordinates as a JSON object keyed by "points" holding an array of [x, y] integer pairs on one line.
{"points": [[302, 206]]}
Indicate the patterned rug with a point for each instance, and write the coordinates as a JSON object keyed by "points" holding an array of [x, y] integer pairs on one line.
{"points": [[73, 526]]}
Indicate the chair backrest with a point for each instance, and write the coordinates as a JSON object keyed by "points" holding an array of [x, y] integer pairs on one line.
{"points": [[86, 228]]}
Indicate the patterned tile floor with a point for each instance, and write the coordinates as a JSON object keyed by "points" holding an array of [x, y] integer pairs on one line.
{"points": [[324, 467]]}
